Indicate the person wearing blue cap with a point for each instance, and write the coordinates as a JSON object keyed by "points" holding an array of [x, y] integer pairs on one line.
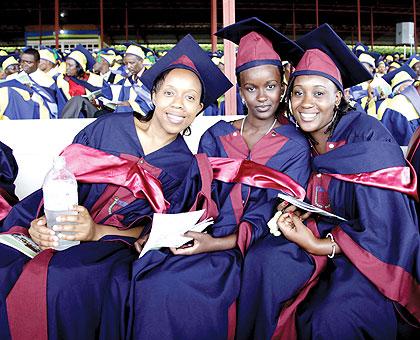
{"points": [[414, 63], [264, 136], [128, 167], [48, 61], [42, 83], [78, 80], [105, 59], [10, 65], [346, 273], [213, 255], [131, 94], [401, 113]]}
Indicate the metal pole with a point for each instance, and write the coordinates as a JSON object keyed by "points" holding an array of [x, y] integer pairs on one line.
{"points": [[213, 28], [126, 21], [293, 21], [101, 15], [316, 13], [415, 25], [56, 22], [359, 30], [40, 23], [230, 58], [371, 27]]}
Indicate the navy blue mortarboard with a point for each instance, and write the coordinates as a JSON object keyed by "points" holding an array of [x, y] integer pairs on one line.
{"points": [[187, 54], [413, 60], [359, 48], [259, 44], [327, 55], [370, 58], [399, 76], [83, 57]]}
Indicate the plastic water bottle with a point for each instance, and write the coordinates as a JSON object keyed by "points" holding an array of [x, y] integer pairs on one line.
{"points": [[60, 196]]}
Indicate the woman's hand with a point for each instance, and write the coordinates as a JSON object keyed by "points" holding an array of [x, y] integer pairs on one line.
{"points": [[42, 235], [81, 225], [204, 243], [139, 244], [286, 207], [294, 230]]}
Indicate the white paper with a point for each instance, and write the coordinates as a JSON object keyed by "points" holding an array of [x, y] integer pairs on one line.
{"points": [[308, 207], [93, 94], [168, 229]]}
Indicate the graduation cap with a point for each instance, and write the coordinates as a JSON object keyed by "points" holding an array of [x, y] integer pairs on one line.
{"points": [[137, 50], [327, 55], [187, 54], [399, 76], [7, 60], [359, 48], [413, 60], [108, 54], [259, 44], [82, 56], [47, 54], [395, 64], [370, 58]]}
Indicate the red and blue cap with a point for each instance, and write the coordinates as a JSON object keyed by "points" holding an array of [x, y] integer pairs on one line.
{"points": [[327, 55], [187, 54], [259, 44]]}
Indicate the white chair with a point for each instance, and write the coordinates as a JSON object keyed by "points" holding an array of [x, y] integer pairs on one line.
{"points": [[36, 142]]}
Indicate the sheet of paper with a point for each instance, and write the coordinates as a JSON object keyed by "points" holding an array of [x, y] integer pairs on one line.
{"points": [[168, 229], [308, 207], [92, 95]]}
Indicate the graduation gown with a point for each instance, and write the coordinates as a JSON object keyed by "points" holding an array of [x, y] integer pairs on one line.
{"points": [[8, 173], [402, 115], [132, 91], [115, 171], [190, 297], [364, 178], [18, 101]]}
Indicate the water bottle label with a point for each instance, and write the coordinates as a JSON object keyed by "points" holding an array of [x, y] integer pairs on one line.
{"points": [[60, 196]]}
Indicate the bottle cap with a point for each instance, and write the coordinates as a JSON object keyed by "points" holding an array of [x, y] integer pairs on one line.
{"points": [[59, 162]]}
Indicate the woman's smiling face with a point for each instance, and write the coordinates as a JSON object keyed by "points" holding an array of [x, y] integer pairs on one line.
{"points": [[313, 101], [177, 101]]}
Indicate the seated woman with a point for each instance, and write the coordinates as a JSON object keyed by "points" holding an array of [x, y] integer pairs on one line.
{"points": [[355, 271], [191, 292], [77, 80], [8, 173], [401, 113], [128, 167]]}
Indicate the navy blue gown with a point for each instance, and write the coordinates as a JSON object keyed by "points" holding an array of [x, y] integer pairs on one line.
{"points": [[77, 278]]}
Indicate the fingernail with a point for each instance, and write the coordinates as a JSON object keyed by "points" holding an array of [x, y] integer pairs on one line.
{"points": [[55, 244], [59, 219], [55, 238], [40, 222], [56, 228], [60, 235]]}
